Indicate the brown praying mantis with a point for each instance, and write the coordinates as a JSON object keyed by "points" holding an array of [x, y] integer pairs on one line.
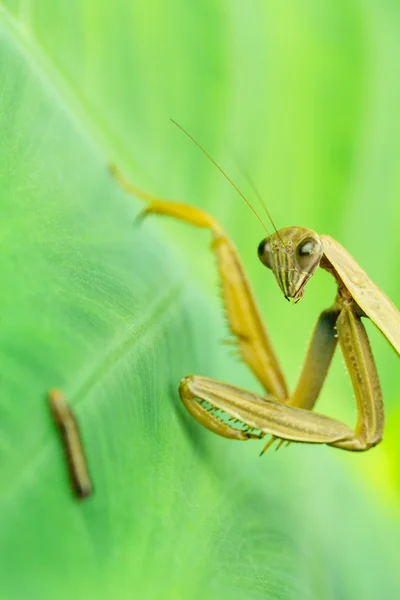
{"points": [[293, 254]]}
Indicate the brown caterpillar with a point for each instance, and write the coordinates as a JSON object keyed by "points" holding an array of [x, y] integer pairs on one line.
{"points": [[73, 448]]}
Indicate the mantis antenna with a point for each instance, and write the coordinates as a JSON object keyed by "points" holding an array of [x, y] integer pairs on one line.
{"points": [[221, 171], [260, 198]]}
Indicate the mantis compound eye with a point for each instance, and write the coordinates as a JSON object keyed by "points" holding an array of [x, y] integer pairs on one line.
{"points": [[307, 248], [309, 253], [260, 249], [264, 252]]}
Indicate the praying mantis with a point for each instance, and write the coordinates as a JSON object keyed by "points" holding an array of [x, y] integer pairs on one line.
{"points": [[294, 255]]}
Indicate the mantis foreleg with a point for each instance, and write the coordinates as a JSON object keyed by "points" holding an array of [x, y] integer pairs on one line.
{"points": [[258, 415]]}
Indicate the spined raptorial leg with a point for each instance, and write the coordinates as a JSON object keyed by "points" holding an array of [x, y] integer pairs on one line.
{"points": [[238, 414], [255, 414], [213, 403], [243, 314]]}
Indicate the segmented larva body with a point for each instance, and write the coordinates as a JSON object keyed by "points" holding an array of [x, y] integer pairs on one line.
{"points": [[73, 447]]}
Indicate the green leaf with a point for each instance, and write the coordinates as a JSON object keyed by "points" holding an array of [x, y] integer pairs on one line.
{"points": [[115, 313]]}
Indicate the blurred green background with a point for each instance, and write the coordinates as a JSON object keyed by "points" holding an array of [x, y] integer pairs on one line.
{"points": [[306, 95]]}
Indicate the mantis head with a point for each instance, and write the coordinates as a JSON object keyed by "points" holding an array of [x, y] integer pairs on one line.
{"points": [[293, 254]]}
